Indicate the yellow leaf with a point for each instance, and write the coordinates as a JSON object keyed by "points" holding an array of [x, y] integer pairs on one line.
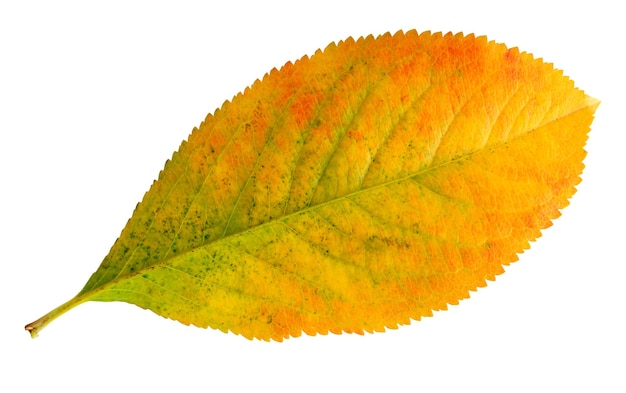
{"points": [[360, 188]]}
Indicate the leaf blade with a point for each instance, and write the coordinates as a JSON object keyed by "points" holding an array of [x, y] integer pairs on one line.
{"points": [[267, 222]]}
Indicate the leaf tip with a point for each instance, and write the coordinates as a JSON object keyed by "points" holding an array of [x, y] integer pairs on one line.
{"points": [[592, 102]]}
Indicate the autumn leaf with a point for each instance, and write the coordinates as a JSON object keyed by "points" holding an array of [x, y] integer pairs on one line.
{"points": [[373, 183]]}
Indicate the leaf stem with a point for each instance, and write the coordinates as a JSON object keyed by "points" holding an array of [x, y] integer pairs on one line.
{"points": [[35, 327]]}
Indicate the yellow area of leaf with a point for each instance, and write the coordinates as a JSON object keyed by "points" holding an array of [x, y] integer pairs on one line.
{"points": [[360, 188]]}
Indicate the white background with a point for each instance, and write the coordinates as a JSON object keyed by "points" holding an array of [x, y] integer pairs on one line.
{"points": [[94, 99]]}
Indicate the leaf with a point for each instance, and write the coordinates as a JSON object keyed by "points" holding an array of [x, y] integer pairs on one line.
{"points": [[360, 188]]}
